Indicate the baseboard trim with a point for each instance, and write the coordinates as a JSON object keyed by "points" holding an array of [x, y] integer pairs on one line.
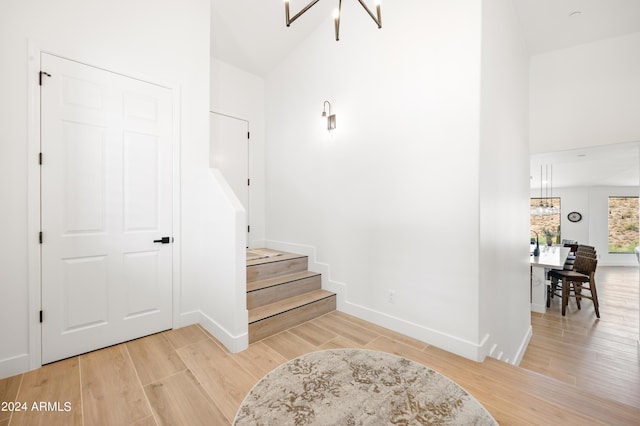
{"points": [[453, 344], [187, 318], [15, 365], [232, 343], [523, 346], [449, 343]]}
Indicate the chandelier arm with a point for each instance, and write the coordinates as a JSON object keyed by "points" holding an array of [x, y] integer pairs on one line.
{"points": [[297, 15], [377, 20]]}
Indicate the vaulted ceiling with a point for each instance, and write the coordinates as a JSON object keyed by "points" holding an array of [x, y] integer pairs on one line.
{"points": [[251, 35]]}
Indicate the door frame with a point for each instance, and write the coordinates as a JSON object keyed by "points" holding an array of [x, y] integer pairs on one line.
{"points": [[248, 233], [34, 207]]}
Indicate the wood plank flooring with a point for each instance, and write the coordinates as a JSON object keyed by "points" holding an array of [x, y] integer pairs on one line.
{"points": [[596, 355], [578, 371]]}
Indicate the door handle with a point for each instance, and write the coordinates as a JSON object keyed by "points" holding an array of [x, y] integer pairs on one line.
{"points": [[163, 240]]}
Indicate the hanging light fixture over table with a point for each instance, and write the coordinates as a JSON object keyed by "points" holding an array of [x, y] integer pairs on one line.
{"points": [[377, 18], [546, 207]]}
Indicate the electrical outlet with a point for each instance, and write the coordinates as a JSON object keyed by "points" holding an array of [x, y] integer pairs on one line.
{"points": [[392, 296]]}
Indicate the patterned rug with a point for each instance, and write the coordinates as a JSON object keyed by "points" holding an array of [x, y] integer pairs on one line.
{"points": [[358, 387]]}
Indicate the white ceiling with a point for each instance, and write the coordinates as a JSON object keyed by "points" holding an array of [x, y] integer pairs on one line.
{"points": [[251, 35], [554, 24], [611, 165]]}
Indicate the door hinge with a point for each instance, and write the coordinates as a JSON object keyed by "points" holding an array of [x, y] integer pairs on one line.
{"points": [[248, 228], [40, 316], [40, 76], [248, 135], [40, 159], [40, 237], [248, 182]]}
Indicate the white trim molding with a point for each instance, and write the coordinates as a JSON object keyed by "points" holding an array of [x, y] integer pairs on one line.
{"points": [[34, 207], [462, 347], [232, 343], [14, 365]]}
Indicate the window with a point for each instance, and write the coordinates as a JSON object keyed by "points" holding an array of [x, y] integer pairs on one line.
{"points": [[623, 224], [550, 222]]}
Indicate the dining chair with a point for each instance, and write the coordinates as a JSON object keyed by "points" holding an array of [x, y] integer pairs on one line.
{"points": [[554, 286], [572, 244], [585, 248], [581, 278]]}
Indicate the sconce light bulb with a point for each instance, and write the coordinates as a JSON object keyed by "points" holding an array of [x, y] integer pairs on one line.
{"points": [[376, 2], [336, 14]]}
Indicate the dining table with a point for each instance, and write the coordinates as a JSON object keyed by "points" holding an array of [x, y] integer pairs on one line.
{"points": [[551, 257]]}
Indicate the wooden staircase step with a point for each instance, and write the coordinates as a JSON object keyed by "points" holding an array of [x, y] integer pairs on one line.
{"points": [[254, 254], [282, 279], [267, 311], [275, 317], [265, 292], [271, 259], [287, 263], [282, 293]]}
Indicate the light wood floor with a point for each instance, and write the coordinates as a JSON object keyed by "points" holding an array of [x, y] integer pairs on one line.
{"points": [[186, 377], [597, 355]]}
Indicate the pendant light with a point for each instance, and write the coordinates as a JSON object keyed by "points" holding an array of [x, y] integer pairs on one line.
{"points": [[545, 207]]}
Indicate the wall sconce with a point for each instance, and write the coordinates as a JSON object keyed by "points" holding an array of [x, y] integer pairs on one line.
{"points": [[331, 118]]}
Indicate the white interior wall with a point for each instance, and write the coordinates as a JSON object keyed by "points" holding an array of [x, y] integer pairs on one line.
{"points": [[504, 291], [588, 95], [222, 261], [240, 94], [161, 42], [390, 200]]}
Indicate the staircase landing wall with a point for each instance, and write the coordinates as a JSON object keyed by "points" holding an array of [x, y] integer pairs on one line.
{"points": [[222, 221]]}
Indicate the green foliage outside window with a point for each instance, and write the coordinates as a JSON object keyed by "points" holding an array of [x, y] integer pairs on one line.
{"points": [[623, 224]]}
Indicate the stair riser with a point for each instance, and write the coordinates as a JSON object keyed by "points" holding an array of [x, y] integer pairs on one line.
{"points": [[276, 269], [269, 326], [279, 292]]}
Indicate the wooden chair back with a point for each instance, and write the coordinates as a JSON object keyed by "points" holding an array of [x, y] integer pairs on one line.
{"points": [[585, 264]]}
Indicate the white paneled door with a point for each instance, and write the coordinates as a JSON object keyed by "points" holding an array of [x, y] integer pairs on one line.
{"points": [[106, 200]]}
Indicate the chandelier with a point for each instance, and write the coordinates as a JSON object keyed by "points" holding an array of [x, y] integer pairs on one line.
{"points": [[336, 14], [546, 207]]}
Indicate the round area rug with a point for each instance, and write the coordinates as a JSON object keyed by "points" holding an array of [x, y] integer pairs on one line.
{"points": [[358, 387]]}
